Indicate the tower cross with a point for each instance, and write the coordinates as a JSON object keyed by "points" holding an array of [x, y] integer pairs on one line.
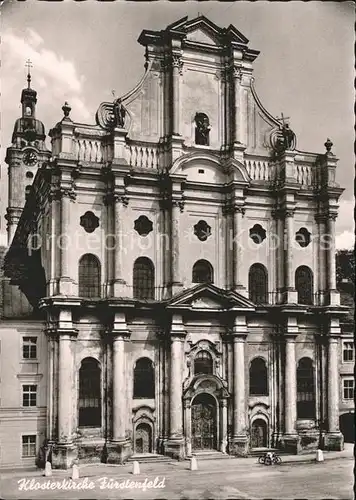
{"points": [[28, 66], [283, 119]]}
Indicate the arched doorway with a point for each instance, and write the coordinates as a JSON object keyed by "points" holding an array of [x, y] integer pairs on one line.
{"points": [[204, 423], [347, 427], [143, 438], [259, 434]]}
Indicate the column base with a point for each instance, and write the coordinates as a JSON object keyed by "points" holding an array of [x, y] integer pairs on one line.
{"points": [[333, 441], [334, 298], [65, 286], [174, 447], [290, 443], [64, 456], [290, 296], [119, 288], [238, 446], [118, 452], [176, 288]]}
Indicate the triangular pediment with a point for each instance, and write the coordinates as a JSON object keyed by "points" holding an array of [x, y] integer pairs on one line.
{"points": [[207, 297], [201, 36]]}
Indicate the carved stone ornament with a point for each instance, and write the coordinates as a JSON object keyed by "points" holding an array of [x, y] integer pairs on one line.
{"points": [[302, 237], [143, 225], [89, 222], [283, 139], [202, 230], [257, 234], [111, 115]]}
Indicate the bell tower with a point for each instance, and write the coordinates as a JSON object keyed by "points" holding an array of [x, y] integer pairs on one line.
{"points": [[27, 151]]}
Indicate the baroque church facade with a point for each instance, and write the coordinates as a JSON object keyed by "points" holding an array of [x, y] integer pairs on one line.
{"points": [[179, 257]]}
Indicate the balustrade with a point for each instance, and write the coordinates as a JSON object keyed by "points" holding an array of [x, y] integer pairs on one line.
{"points": [[142, 156]]}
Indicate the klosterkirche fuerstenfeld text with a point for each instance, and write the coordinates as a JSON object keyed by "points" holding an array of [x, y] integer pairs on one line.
{"points": [[179, 258]]}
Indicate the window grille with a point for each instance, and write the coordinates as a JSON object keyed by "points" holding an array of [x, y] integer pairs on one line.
{"points": [[89, 393], [89, 276], [258, 284], [202, 272], [304, 285], [144, 379], [203, 363], [258, 377], [305, 389], [143, 279]]}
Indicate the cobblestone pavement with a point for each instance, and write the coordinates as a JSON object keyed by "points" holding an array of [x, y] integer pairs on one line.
{"points": [[238, 479]]}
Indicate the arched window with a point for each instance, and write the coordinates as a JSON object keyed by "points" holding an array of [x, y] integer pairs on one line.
{"points": [[202, 129], [305, 389], [89, 393], [143, 279], [203, 363], [258, 284], [202, 272], [304, 285], [144, 379], [258, 377], [89, 276]]}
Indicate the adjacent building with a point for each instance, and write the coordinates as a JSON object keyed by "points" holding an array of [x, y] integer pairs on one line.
{"points": [[182, 295]]}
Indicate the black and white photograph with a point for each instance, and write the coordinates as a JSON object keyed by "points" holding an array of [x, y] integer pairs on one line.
{"points": [[177, 263]]}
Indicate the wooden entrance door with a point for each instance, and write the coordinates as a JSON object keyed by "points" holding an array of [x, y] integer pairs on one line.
{"points": [[259, 434], [204, 425], [143, 439]]}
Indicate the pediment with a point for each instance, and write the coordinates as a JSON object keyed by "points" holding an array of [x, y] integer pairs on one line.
{"points": [[209, 297], [201, 36]]}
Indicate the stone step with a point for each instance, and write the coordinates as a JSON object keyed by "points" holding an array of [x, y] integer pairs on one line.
{"points": [[144, 458], [210, 455]]}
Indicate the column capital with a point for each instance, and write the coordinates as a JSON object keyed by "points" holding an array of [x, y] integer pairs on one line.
{"points": [[187, 404], [56, 332], [178, 202], [177, 63], [177, 336], [238, 209], [236, 73], [120, 335], [289, 212], [62, 192]]}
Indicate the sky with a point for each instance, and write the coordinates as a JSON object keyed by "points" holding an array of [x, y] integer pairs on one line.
{"points": [[82, 51]]}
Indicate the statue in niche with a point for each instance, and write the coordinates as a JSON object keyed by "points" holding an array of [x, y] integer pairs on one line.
{"points": [[119, 114], [202, 129]]}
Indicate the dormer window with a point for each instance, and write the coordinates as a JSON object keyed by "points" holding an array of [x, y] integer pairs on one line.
{"points": [[202, 129]]}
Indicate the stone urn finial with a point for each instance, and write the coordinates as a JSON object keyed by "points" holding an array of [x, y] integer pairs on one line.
{"points": [[66, 110], [328, 144]]}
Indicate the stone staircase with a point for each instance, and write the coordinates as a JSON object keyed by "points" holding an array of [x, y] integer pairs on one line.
{"points": [[144, 458], [210, 455]]}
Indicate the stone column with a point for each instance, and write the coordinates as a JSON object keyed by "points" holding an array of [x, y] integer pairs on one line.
{"points": [[238, 444], [177, 208], [290, 397], [238, 212], [321, 267], [120, 201], [333, 384], [188, 427], [65, 368], [223, 426], [333, 439], [175, 445], [176, 72], [119, 449], [64, 451], [65, 241], [290, 292], [333, 293], [238, 136]]}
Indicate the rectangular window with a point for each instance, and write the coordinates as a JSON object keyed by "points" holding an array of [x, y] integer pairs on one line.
{"points": [[29, 395], [348, 351], [29, 446], [29, 348], [348, 388]]}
